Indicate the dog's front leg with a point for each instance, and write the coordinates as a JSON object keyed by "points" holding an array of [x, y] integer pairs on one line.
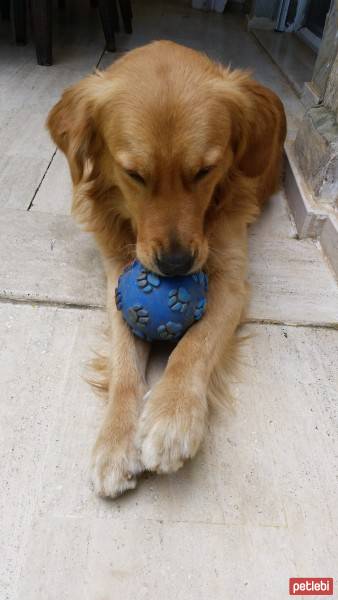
{"points": [[174, 417], [115, 458]]}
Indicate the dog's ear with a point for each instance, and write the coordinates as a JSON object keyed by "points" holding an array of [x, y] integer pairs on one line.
{"points": [[72, 124], [258, 124]]}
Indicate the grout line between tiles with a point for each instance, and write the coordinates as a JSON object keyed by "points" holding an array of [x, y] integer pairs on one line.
{"points": [[54, 153], [72, 305], [101, 57], [313, 324], [41, 180], [50, 304]]}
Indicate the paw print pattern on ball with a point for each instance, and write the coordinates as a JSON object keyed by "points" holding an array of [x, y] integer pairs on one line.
{"points": [[202, 279], [137, 315], [157, 307], [118, 299], [170, 331], [200, 309], [140, 334], [179, 299], [147, 281]]}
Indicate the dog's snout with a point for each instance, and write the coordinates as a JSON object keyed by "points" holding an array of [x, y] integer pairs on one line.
{"points": [[175, 263]]}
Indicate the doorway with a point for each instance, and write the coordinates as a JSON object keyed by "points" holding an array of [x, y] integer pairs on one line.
{"points": [[304, 17]]}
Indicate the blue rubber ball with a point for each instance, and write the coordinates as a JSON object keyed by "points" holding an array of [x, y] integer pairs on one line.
{"points": [[160, 308]]}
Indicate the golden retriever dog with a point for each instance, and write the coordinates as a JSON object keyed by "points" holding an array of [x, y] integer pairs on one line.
{"points": [[171, 157]]}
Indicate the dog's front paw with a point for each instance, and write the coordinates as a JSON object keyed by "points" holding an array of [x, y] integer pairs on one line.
{"points": [[171, 428], [114, 467]]}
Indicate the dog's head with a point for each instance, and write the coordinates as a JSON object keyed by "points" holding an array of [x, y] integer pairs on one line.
{"points": [[161, 131]]}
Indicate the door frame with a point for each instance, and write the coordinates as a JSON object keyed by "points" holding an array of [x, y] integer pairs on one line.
{"points": [[299, 19]]}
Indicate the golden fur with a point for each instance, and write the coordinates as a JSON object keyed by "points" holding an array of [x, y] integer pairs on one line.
{"points": [[167, 145]]}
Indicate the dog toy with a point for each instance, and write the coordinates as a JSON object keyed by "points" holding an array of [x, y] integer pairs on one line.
{"points": [[160, 308]]}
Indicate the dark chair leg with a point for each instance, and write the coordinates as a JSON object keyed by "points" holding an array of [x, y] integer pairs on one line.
{"points": [[110, 22], [41, 14], [5, 9], [127, 15], [62, 4], [19, 21]]}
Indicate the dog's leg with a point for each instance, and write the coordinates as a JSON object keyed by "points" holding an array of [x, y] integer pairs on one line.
{"points": [[115, 458], [173, 420]]}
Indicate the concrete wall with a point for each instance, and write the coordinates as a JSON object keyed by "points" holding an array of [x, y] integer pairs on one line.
{"points": [[331, 92], [316, 144], [327, 52]]}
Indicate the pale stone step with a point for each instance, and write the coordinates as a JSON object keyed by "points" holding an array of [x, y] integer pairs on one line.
{"points": [[47, 258], [27, 93], [291, 283], [265, 472]]}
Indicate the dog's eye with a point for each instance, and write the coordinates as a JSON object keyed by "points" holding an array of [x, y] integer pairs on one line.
{"points": [[202, 173], [136, 176]]}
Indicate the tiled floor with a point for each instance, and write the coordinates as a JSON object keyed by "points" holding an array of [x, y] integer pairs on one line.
{"points": [[259, 503], [295, 59]]}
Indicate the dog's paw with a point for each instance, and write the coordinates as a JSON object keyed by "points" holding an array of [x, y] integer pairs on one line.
{"points": [[171, 429], [114, 468]]}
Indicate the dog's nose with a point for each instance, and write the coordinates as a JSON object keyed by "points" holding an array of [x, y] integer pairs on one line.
{"points": [[178, 263]]}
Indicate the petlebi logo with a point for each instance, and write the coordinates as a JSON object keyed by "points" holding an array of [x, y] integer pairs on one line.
{"points": [[311, 586]]}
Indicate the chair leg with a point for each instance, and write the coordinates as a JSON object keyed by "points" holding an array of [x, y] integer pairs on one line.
{"points": [[19, 21], [61, 4], [127, 15], [110, 22], [5, 10], [41, 14]]}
